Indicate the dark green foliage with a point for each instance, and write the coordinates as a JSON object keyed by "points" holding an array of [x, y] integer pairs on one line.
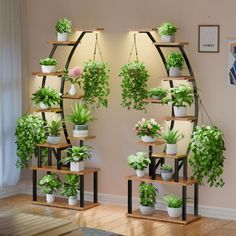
{"points": [[147, 194], [71, 186], [77, 154], [50, 183]]}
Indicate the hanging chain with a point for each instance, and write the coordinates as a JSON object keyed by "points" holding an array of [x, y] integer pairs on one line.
{"points": [[203, 107], [134, 47], [97, 46]]}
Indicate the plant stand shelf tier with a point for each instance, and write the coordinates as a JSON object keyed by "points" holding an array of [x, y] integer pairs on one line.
{"points": [[48, 74], [183, 118]]}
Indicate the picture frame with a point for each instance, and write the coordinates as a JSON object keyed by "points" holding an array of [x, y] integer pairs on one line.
{"points": [[208, 38], [231, 61]]}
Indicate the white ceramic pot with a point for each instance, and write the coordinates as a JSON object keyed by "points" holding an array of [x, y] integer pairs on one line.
{"points": [[50, 198], [174, 71], [62, 36], [140, 173], [72, 90], [77, 166], [148, 139], [156, 97], [43, 106], [174, 212], [53, 139], [180, 111], [166, 175], [167, 38], [72, 200], [171, 149], [147, 210], [48, 69], [80, 131]]}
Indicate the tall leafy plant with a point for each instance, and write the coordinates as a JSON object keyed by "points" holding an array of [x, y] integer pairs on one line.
{"points": [[147, 194]]}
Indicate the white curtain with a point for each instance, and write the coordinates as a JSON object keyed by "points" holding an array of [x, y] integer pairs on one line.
{"points": [[11, 74]]}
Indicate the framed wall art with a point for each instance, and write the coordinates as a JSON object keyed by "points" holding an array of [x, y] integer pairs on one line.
{"points": [[231, 61]]}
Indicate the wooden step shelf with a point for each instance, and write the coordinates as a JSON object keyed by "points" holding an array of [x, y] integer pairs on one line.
{"points": [[82, 138], [89, 30], [48, 74], [66, 96], [184, 118], [142, 30], [59, 145], [55, 110], [164, 155], [174, 44], [151, 100], [180, 78], [62, 43], [163, 216], [153, 144]]}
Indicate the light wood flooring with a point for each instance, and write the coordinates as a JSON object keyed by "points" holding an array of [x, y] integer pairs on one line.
{"points": [[112, 218]]}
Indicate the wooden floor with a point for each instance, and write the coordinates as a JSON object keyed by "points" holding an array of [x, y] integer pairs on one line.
{"points": [[112, 218]]}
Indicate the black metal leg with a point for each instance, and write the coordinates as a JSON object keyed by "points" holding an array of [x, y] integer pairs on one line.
{"points": [[39, 157], [81, 190], [196, 199], [176, 170], [81, 143], [184, 200], [185, 168], [49, 156], [59, 159], [95, 187], [153, 169], [129, 196], [34, 185], [150, 157]]}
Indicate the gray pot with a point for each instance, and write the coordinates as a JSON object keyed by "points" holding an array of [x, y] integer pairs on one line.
{"points": [[166, 174], [147, 210], [80, 131]]}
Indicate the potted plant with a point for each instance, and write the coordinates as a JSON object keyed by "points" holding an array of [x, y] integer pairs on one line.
{"points": [[166, 172], [207, 155], [50, 183], [134, 85], [80, 117], [174, 205], [76, 156], [54, 128], [48, 65], [73, 76], [63, 28], [175, 63], [157, 93], [46, 97], [139, 162], [147, 195], [70, 188], [167, 32], [171, 137], [148, 130]]}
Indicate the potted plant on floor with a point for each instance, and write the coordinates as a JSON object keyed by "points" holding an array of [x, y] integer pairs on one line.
{"points": [[175, 63], [54, 127], [46, 97], [148, 130], [171, 137], [76, 156], [147, 195], [48, 65], [167, 32], [70, 188], [174, 205], [63, 28], [157, 93], [50, 183], [80, 117], [139, 162], [166, 172]]}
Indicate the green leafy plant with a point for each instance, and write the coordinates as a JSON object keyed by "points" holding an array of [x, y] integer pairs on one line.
{"points": [[173, 201], [167, 28], [140, 161], [172, 136], [54, 127], [167, 166], [96, 83], [30, 130], [134, 85], [158, 92], [80, 114], [77, 154], [50, 183], [147, 194], [71, 186], [63, 25], [48, 62], [175, 59], [207, 155], [47, 95]]}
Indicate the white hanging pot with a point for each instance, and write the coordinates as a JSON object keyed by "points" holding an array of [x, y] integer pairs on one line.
{"points": [[80, 131], [147, 210], [50, 198], [174, 212], [48, 69], [53, 139], [43, 106], [180, 111], [171, 149], [62, 36], [72, 200], [140, 173], [148, 139], [174, 71], [72, 90], [77, 166], [167, 38]]}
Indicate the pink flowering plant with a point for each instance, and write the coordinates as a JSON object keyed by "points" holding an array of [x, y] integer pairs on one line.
{"points": [[74, 75], [148, 128]]}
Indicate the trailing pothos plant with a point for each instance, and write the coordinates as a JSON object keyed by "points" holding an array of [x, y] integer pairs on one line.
{"points": [[207, 159]]}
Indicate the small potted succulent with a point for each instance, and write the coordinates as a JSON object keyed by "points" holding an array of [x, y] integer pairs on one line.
{"points": [[166, 172], [167, 32], [46, 97], [48, 65], [174, 205], [76, 156], [147, 195], [148, 130], [63, 28], [54, 127], [157, 93], [139, 162], [80, 117], [70, 188], [50, 183], [171, 137], [175, 63]]}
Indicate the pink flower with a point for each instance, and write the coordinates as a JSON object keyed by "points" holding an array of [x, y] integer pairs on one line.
{"points": [[75, 72]]}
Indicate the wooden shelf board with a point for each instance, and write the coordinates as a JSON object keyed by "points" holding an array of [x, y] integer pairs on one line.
{"points": [[170, 78], [62, 43], [82, 138], [89, 30], [163, 216], [159, 180], [164, 155], [142, 30], [157, 143], [163, 44], [56, 110], [48, 74], [151, 100], [72, 97], [59, 145], [62, 203], [64, 170], [184, 118]]}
